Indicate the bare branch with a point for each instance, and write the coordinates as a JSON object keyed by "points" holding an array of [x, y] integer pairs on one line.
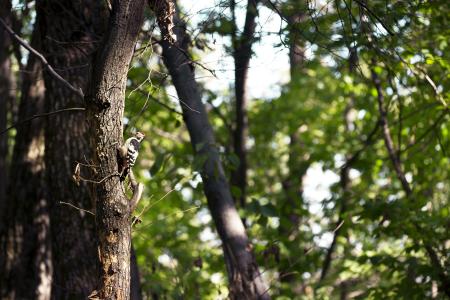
{"points": [[387, 134], [78, 208], [151, 97], [42, 115], [375, 16], [41, 57]]}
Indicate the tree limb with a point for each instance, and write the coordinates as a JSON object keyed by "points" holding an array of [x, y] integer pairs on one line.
{"points": [[41, 57], [41, 115]]}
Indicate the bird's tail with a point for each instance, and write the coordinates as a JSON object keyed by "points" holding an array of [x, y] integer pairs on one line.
{"points": [[124, 174]]}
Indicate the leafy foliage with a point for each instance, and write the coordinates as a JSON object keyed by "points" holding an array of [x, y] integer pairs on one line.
{"points": [[325, 119]]}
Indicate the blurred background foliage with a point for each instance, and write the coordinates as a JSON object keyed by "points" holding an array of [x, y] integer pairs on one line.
{"points": [[332, 111]]}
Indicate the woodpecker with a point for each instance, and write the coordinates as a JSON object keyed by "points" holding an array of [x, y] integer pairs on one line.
{"points": [[128, 154]]}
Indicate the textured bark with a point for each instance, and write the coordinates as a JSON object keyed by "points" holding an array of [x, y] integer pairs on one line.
{"points": [[105, 102], [242, 54], [135, 288], [5, 95], [245, 280], [70, 33], [25, 257]]}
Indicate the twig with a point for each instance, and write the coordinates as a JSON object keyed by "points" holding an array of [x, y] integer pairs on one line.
{"points": [[297, 261], [137, 188], [426, 76], [369, 140], [375, 16], [44, 61], [71, 205], [42, 115], [170, 215], [151, 97], [387, 134], [101, 180]]}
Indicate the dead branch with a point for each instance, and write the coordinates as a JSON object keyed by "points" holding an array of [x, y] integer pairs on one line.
{"points": [[41, 57], [41, 115], [78, 208]]}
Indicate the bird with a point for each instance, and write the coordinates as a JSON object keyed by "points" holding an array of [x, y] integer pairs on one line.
{"points": [[129, 153]]}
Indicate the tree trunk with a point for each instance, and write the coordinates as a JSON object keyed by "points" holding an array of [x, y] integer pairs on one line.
{"points": [[297, 163], [135, 288], [245, 280], [242, 54], [105, 103], [344, 180], [25, 257], [70, 32], [5, 95]]}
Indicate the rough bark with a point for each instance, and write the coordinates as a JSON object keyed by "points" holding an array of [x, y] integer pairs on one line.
{"points": [[105, 103], [5, 95], [70, 33], [135, 288], [25, 258], [242, 54], [245, 280]]}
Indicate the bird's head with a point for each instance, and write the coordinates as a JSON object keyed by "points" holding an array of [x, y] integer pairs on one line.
{"points": [[140, 136]]}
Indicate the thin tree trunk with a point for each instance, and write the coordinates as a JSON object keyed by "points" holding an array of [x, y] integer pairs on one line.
{"points": [[344, 179], [292, 185], [245, 280], [242, 54], [70, 33], [442, 273], [105, 102], [297, 164], [25, 257]]}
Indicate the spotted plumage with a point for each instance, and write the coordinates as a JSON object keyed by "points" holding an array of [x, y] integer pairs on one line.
{"points": [[129, 153]]}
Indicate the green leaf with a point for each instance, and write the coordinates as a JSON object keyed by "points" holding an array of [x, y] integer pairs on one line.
{"points": [[269, 210]]}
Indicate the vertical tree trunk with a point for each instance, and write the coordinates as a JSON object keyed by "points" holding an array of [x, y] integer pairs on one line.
{"points": [[242, 54], [25, 257], [135, 285], [105, 112], [70, 33], [5, 95], [245, 280], [297, 164], [292, 185], [344, 179]]}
